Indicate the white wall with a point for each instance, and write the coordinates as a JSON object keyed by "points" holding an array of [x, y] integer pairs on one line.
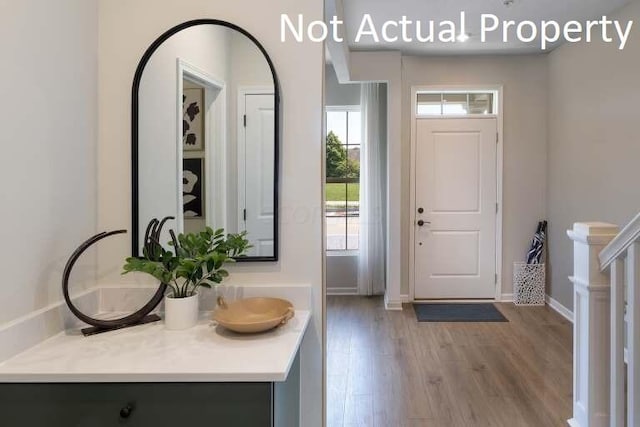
{"points": [[48, 81], [524, 80], [126, 28], [205, 47], [594, 143]]}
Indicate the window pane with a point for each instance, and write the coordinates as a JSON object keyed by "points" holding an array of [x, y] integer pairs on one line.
{"points": [[454, 103], [337, 164], [353, 162], [353, 198], [429, 104], [337, 123], [436, 104], [342, 186], [353, 232], [480, 103], [336, 192], [353, 213], [354, 128], [336, 240], [336, 216]]}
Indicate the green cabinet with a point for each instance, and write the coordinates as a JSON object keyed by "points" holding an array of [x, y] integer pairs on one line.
{"points": [[152, 404]]}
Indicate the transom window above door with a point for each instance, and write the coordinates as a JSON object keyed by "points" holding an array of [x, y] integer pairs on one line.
{"points": [[451, 103]]}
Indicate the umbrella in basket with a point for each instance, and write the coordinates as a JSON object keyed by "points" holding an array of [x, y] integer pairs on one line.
{"points": [[534, 256]]}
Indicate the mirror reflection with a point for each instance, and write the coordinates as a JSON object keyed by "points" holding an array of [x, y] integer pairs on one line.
{"points": [[207, 115]]}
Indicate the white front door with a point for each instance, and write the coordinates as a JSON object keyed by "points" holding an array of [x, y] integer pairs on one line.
{"points": [[456, 204], [258, 173]]}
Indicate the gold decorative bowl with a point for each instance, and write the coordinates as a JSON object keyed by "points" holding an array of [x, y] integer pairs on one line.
{"points": [[252, 315]]}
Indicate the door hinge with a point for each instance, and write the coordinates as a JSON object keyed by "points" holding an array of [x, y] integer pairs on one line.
{"points": [[244, 214], [496, 279], [497, 208], [244, 120], [497, 137]]}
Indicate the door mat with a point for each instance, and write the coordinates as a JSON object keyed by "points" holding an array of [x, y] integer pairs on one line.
{"points": [[446, 312]]}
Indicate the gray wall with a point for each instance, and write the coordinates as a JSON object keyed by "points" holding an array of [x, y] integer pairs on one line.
{"points": [[342, 274], [594, 143], [339, 94], [524, 80]]}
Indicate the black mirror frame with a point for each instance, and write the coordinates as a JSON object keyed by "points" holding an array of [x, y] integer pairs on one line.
{"points": [[135, 227]]}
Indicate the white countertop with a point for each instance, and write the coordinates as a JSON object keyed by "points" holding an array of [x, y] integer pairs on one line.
{"points": [[150, 353]]}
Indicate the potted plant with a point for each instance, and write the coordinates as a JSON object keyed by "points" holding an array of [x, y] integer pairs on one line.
{"points": [[196, 261]]}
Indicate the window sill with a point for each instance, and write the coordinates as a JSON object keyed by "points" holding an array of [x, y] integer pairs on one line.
{"points": [[353, 252]]}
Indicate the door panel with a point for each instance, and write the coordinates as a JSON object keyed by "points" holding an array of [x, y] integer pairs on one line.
{"points": [[456, 189], [456, 158], [454, 253]]}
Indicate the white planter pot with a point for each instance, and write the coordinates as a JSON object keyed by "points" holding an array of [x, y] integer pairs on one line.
{"points": [[180, 313]]}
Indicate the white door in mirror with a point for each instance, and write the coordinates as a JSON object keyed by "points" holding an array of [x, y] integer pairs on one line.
{"points": [[257, 172], [180, 313]]}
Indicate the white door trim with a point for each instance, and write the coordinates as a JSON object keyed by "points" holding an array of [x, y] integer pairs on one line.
{"points": [[215, 140], [499, 175]]}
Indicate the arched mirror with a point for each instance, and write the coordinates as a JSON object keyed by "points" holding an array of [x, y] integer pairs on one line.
{"points": [[205, 116]]}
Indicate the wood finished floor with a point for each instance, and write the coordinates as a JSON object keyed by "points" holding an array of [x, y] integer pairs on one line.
{"points": [[385, 369]]}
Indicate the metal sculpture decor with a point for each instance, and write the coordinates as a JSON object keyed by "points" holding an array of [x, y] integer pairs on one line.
{"points": [[140, 317]]}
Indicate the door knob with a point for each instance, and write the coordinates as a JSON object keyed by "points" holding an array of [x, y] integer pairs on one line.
{"points": [[421, 223], [420, 210]]}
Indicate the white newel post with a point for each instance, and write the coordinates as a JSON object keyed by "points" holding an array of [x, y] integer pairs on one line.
{"points": [[591, 327]]}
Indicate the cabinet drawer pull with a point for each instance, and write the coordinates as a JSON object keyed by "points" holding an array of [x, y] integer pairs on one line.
{"points": [[126, 411]]}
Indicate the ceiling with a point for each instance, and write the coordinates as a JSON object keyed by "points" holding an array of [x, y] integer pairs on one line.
{"points": [[439, 10]]}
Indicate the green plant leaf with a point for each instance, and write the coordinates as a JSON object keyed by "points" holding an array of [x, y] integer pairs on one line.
{"points": [[197, 261]]}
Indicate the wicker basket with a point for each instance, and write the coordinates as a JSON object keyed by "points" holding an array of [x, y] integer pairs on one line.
{"points": [[528, 283]]}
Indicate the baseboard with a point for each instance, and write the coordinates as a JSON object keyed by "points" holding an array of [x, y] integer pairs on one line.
{"points": [[559, 308], [506, 298], [392, 305], [405, 298], [453, 301], [503, 298], [342, 291]]}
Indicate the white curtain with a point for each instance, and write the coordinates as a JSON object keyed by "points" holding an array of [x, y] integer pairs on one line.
{"points": [[371, 269]]}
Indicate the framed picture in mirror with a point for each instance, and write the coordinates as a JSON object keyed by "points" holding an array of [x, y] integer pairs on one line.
{"points": [[192, 188], [192, 120]]}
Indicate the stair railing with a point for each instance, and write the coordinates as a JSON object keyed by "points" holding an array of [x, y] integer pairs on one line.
{"points": [[606, 264]]}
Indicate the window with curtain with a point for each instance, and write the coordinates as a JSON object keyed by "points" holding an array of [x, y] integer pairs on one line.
{"points": [[343, 178]]}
